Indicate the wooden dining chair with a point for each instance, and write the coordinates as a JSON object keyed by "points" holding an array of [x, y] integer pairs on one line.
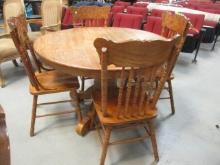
{"points": [[47, 82], [8, 51], [90, 16], [133, 102], [4, 140], [51, 11], [173, 24]]}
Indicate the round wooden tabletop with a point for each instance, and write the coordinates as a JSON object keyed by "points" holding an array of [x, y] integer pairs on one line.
{"points": [[72, 51]]}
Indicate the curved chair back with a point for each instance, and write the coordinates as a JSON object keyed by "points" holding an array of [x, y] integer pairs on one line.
{"points": [[90, 16], [139, 61]]}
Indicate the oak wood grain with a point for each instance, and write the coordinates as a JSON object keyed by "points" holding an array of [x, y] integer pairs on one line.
{"points": [[73, 52]]}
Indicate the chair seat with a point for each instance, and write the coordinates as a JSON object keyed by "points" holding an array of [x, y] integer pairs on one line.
{"points": [[54, 82], [8, 50], [111, 119], [34, 35]]}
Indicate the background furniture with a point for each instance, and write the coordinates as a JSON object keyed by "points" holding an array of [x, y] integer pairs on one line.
{"points": [[4, 140], [127, 21], [51, 11]]}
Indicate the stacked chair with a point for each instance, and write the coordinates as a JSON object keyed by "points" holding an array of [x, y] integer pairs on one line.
{"points": [[195, 34], [114, 10], [137, 10], [43, 81], [144, 5], [127, 21]]}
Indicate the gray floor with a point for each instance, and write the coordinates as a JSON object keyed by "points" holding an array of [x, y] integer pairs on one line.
{"points": [[190, 137]]}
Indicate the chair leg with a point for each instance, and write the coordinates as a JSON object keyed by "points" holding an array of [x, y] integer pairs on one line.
{"points": [[170, 89], [196, 54], [216, 38], [83, 84], [33, 117], [15, 63], [105, 145], [153, 141], [2, 81]]}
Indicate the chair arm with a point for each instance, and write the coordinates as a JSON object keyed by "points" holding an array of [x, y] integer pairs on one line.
{"points": [[5, 35], [34, 21], [50, 28]]}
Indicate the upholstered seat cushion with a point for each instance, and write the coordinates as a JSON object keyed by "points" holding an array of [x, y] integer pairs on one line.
{"points": [[8, 50], [34, 35]]}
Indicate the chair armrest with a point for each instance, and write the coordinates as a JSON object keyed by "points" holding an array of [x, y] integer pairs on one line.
{"points": [[50, 28], [5, 35], [2, 26], [34, 21]]}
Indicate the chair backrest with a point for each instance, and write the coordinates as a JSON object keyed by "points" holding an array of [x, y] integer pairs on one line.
{"points": [[173, 24], [144, 5], [4, 140], [11, 8], [127, 20], [91, 16], [154, 24], [122, 3], [137, 10], [117, 9], [51, 11], [139, 61], [197, 20], [21, 41], [157, 12]]}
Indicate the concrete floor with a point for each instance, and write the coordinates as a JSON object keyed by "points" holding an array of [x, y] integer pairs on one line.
{"points": [[190, 137]]}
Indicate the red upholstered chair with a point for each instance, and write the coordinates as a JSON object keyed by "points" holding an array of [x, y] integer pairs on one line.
{"points": [[67, 20], [137, 10], [127, 20], [211, 33], [114, 10], [143, 4], [194, 36], [122, 3], [154, 24]]}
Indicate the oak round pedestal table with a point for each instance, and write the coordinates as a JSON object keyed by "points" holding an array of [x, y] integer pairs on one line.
{"points": [[72, 51]]}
